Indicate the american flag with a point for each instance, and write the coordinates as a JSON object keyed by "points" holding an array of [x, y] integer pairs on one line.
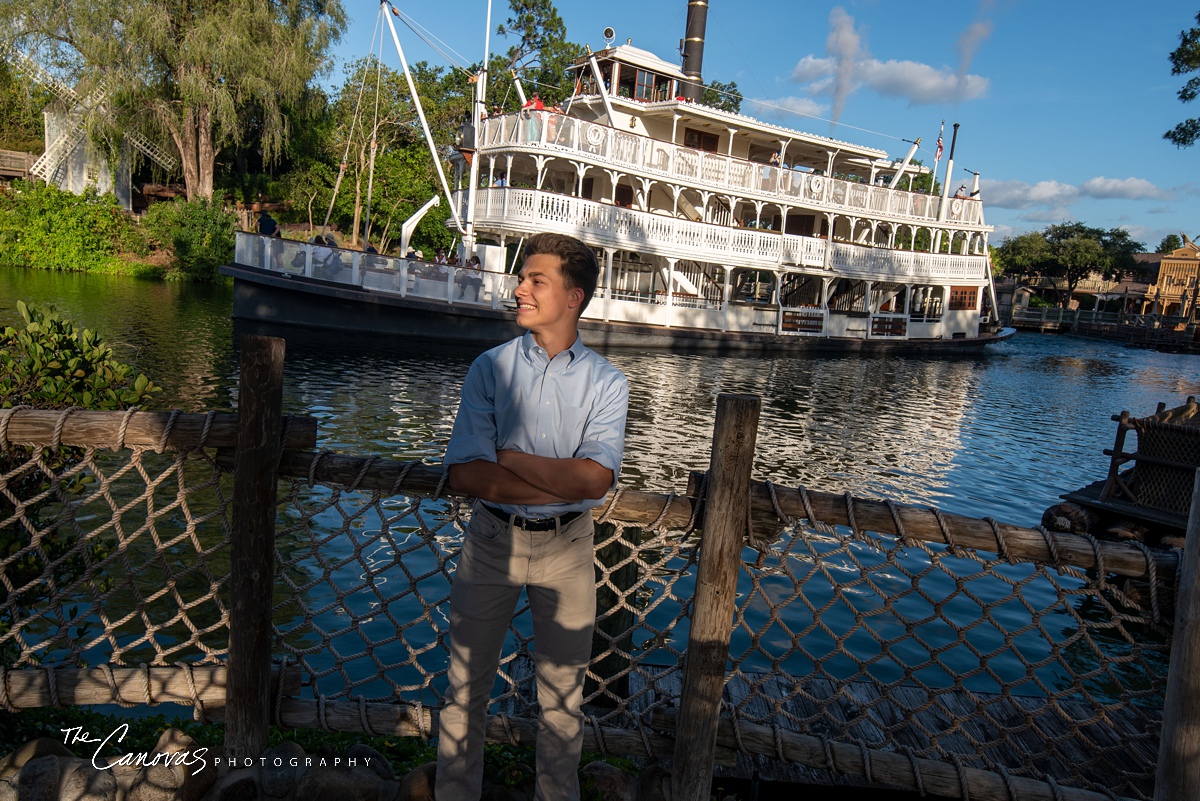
{"points": [[938, 156]]}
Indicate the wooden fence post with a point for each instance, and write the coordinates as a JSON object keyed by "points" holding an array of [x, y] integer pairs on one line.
{"points": [[1178, 773], [726, 515], [252, 551], [614, 618]]}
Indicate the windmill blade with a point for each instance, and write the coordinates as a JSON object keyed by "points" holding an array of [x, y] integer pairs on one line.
{"points": [[43, 76], [152, 151], [49, 162]]}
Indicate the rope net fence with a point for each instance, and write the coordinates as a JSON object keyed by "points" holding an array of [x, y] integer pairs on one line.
{"points": [[864, 632]]}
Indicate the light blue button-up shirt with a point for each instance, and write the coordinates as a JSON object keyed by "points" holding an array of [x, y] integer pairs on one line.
{"points": [[516, 399]]}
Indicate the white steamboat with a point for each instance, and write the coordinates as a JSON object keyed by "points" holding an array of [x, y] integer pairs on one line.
{"points": [[714, 230]]}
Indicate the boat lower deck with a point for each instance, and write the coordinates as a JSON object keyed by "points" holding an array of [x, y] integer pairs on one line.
{"points": [[287, 298]]}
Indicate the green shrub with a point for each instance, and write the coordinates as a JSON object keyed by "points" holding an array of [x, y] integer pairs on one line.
{"points": [[199, 233], [42, 226], [49, 364], [1038, 302], [52, 365]]}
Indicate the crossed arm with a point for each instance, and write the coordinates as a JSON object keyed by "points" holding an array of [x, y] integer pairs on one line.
{"points": [[526, 479]]}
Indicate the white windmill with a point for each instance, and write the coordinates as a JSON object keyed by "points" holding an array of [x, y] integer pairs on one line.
{"points": [[65, 134]]}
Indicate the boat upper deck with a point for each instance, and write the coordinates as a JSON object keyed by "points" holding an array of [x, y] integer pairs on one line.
{"points": [[607, 147]]}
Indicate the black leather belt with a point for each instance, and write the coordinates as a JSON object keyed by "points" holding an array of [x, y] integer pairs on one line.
{"points": [[531, 523]]}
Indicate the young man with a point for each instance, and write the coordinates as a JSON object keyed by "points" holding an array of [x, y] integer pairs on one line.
{"points": [[538, 440]]}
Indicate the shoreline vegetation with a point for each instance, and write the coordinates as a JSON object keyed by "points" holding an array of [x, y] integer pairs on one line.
{"points": [[46, 228]]}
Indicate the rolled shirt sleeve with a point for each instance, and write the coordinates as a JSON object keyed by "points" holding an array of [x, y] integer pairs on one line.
{"points": [[604, 433], [474, 435]]}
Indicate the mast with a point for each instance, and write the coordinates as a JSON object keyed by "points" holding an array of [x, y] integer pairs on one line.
{"points": [[412, 88], [693, 49], [468, 233]]}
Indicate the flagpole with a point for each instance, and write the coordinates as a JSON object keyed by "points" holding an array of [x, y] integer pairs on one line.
{"points": [[937, 158]]}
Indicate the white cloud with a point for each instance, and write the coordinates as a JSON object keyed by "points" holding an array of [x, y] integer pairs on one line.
{"points": [[909, 80], [1125, 188], [810, 68], [1020, 195], [1055, 195], [848, 66], [920, 83], [1004, 232], [785, 107], [1054, 215]]}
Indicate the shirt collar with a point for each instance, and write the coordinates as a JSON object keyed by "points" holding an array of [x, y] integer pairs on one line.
{"points": [[530, 347]]}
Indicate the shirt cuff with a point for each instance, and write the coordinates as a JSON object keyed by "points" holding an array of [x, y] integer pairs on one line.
{"points": [[469, 449], [602, 454]]}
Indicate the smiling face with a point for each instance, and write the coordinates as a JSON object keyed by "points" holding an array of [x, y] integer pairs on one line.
{"points": [[544, 303]]}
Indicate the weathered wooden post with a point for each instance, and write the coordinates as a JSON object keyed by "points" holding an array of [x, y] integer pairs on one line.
{"points": [[726, 513], [252, 550], [614, 617], [1178, 773]]}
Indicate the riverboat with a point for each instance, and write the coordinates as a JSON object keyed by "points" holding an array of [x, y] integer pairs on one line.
{"points": [[714, 231]]}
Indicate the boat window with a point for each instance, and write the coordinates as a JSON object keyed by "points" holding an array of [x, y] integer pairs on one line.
{"points": [[700, 140], [964, 298], [753, 286], [645, 85], [797, 290], [626, 81], [847, 295], [926, 304]]}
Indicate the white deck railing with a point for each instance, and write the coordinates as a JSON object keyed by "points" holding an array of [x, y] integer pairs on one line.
{"points": [[715, 172], [456, 286], [529, 211], [403, 277]]}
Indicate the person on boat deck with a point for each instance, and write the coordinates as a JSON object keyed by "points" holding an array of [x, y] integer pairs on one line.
{"points": [[500, 180], [538, 440], [266, 224], [327, 263], [533, 125], [469, 277], [961, 191]]}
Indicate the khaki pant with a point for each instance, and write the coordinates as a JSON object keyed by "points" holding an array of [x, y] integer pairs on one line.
{"points": [[557, 569]]}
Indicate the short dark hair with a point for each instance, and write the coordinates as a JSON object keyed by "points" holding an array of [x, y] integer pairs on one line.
{"points": [[578, 264]]}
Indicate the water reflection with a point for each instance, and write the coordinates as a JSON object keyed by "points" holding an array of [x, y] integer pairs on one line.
{"points": [[1000, 434]]}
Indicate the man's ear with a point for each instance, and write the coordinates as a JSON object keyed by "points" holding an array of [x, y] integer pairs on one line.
{"points": [[576, 297]]}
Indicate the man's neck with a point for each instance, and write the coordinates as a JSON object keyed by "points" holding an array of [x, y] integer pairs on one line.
{"points": [[555, 342]]}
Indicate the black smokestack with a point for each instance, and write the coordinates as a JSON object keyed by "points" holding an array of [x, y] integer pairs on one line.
{"points": [[693, 49]]}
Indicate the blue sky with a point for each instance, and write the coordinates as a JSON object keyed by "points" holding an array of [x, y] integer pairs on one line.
{"points": [[1062, 105]]}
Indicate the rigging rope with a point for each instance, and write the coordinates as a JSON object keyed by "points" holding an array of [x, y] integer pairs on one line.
{"points": [[374, 142], [350, 137]]}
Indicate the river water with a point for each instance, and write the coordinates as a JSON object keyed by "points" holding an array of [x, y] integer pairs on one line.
{"points": [[1000, 434]]}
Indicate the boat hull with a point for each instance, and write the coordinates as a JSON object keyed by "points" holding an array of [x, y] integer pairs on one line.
{"points": [[271, 297]]}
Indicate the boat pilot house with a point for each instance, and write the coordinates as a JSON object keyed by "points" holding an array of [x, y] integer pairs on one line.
{"points": [[713, 230]]}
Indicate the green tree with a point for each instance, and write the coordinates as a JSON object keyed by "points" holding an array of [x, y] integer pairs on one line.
{"points": [[199, 234], [372, 108], [405, 181], [190, 76], [724, 96], [21, 106], [1066, 253], [1185, 59], [1169, 244], [541, 54]]}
